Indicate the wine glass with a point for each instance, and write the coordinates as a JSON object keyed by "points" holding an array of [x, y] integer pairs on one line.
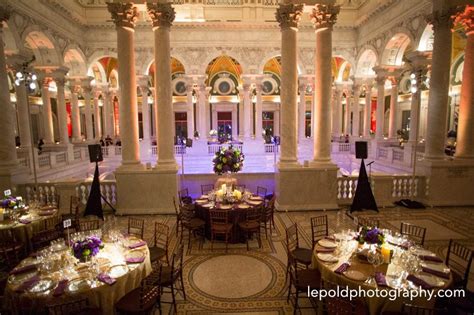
{"points": [[375, 259]]}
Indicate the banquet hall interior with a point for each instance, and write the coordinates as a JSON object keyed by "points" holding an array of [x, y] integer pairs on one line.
{"points": [[227, 156]]}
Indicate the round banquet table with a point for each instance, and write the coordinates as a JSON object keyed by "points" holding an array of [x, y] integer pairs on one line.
{"points": [[98, 293], [236, 214], [30, 223], [376, 305]]}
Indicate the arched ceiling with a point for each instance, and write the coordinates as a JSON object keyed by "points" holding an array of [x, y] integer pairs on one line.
{"points": [[273, 66], [223, 63], [340, 68], [103, 68], [176, 67], [395, 49], [367, 60]]}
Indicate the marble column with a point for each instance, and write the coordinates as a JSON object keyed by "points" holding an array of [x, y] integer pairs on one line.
{"points": [[201, 108], [465, 139], [190, 110], [87, 94], [439, 85], [367, 110], [97, 118], [323, 17], [23, 115], [419, 67], [347, 111], [288, 16], [258, 112], [392, 123], [276, 123], [337, 113], [355, 110], [48, 130], [162, 16], [380, 112], [247, 113], [60, 79], [143, 85], [8, 158], [108, 113], [241, 113], [207, 110], [302, 110], [75, 115], [124, 16]]}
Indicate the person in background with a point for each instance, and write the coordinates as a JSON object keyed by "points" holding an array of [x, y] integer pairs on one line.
{"points": [[108, 141], [102, 143], [40, 145], [118, 143]]}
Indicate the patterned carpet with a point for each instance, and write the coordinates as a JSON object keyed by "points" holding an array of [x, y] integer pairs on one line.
{"points": [[253, 282]]}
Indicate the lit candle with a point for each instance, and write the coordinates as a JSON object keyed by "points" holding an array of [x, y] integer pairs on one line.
{"points": [[386, 253]]}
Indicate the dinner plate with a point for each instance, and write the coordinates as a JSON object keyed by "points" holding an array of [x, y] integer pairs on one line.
{"points": [[204, 197], [135, 254], [117, 271], [424, 252], [327, 243], [327, 257], [243, 206], [208, 205], [256, 198], [79, 284], [21, 277], [200, 201], [342, 236], [435, 266], [254, 203], [432, 280], [355, 275], [225, 207], [42, 285]]}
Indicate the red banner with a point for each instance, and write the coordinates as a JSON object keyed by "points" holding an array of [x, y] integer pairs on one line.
{"points": [[373, 115], [69, 120]]}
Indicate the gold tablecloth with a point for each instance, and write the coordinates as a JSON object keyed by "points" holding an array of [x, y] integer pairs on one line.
{"points": [[376, 305], [100, 295], [24, 232]]}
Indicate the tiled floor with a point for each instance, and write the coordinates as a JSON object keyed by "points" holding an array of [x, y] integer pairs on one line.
{"points": [[253, 282]]}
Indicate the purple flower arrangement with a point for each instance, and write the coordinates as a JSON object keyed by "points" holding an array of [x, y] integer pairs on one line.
{"points": [[370, 235], [11, 202], [87, 248], [228, 160]]}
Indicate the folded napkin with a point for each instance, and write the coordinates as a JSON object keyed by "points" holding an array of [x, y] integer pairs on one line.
{"points": [[324, 249], [134, 260], [23, 269], [431, 258], [380, 279], [437, 273], [342, 268], [136, 245], [59, 290], [27, 284], [105, 278], [419, 282], [24, 221]]}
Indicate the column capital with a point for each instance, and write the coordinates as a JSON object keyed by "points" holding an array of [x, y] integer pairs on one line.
{"points": [[123, 14], [381, 75], [288, 15], [59, 76], [142, 81], [85, 83], [324, 16], [442, 18], [5, 12], [466, 19], [161, 14]]}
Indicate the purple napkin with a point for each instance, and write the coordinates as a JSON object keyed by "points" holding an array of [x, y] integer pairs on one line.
{"points": [[27, 284], [419, 282], [342, 268], [23, 269], [24, 221], [431, 258], [134, 260], [380, 279], [436, 272], [105, 278], [59, 290], [136, 245]]}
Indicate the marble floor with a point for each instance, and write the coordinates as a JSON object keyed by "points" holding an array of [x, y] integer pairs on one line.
{"points": [[253, 282]]}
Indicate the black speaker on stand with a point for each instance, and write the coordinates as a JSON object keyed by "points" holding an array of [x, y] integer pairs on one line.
{"points": [[94, 202], [364, 198]]}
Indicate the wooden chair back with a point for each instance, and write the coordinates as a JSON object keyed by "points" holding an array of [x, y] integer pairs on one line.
{"points": [[319, 228], [136, 227], [414, 232], [459, 259]]}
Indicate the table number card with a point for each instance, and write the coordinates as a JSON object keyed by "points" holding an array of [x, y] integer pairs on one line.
{"points": [[7, 192], [67, 223]]}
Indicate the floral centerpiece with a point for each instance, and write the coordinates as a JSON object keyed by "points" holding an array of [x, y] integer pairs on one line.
{"points": [[370, 235], [228, 160], [89, 247], [12, 203]]}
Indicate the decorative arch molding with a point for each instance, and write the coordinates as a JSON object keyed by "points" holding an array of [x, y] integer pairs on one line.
{"points": [[12, 39], [456, 70], [398, 40], [75, 60], [98, 54], [44, 46], [366, 60]]}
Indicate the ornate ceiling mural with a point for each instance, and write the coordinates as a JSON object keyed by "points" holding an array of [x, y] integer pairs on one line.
{"points": [[223, 63]]}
